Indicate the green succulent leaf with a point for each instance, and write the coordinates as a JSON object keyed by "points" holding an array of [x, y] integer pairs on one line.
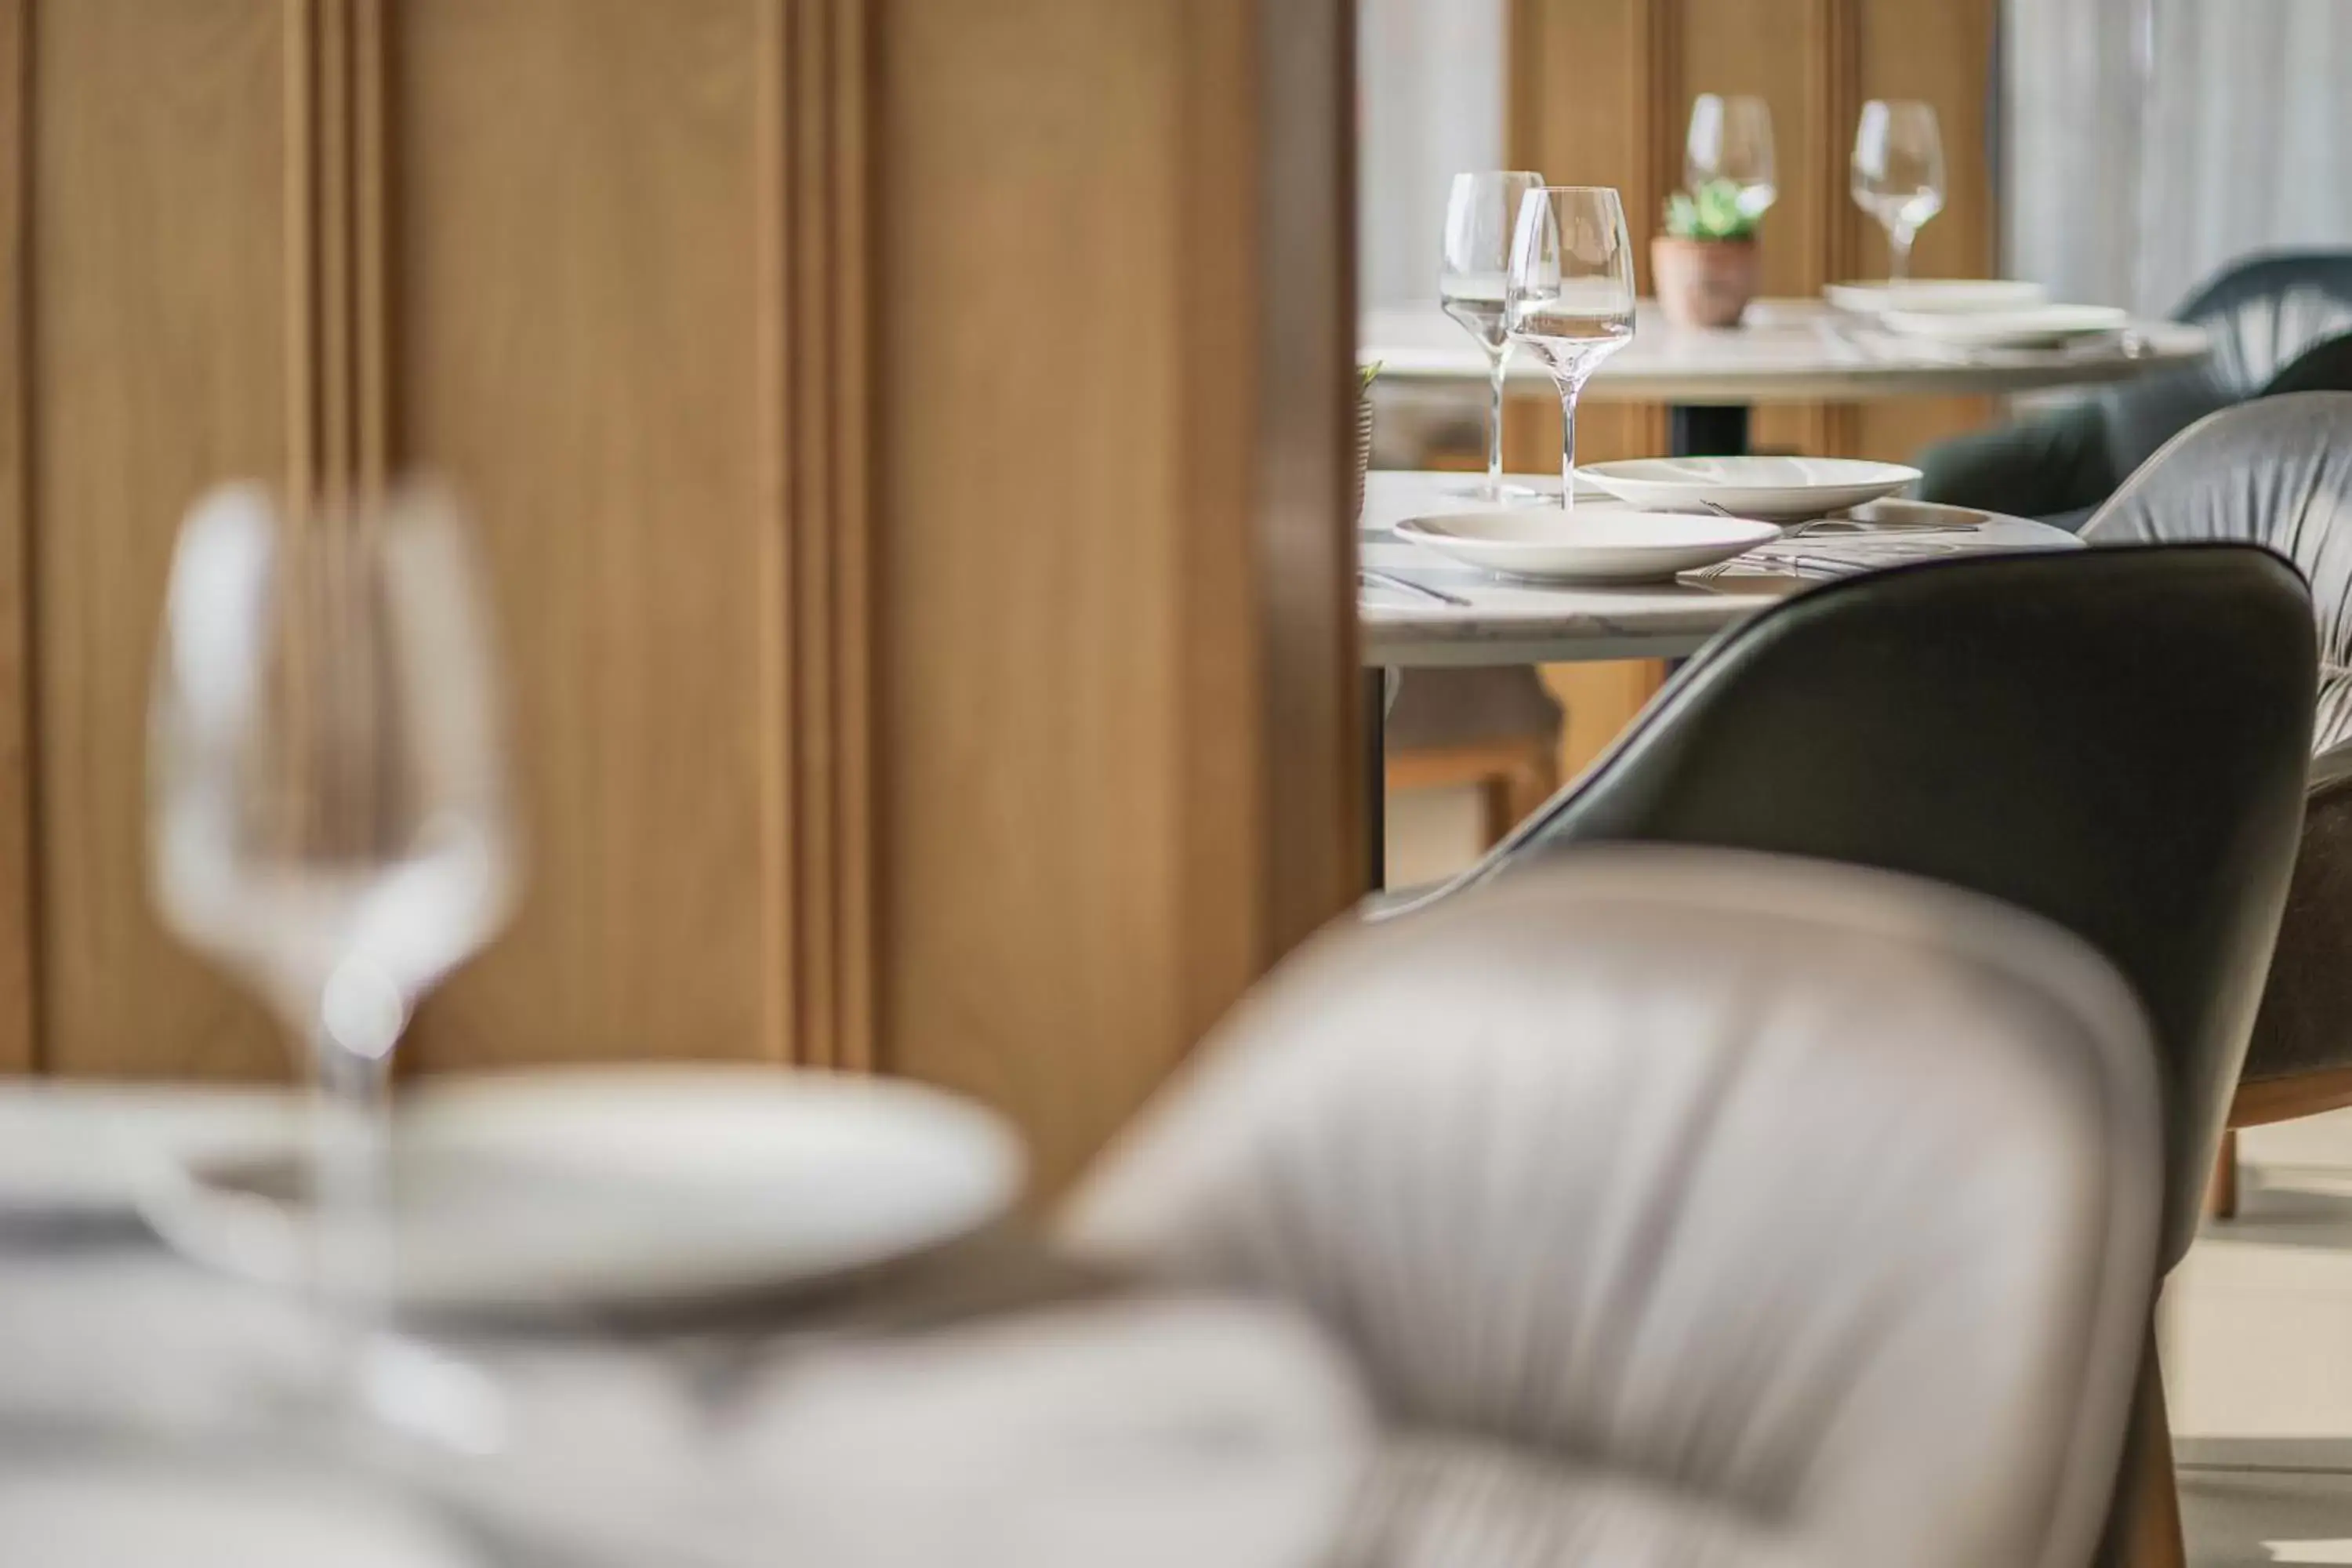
{"points": [[1711, 211], [1366, 375]]}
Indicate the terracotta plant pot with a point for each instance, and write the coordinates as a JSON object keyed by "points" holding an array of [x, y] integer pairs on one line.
{"points": [[1703, 282]]}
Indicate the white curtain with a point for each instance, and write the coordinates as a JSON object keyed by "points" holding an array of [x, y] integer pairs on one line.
{"points": [[2148, 141], [1430, 103]]}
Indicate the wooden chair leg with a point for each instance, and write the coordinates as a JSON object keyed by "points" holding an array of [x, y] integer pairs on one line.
{"points": [[2222, 1193], [2144, 1521]]}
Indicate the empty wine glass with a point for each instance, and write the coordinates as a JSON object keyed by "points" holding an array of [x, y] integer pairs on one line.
{"points": [[1571, 294], [1731, 139], [328, 818], [1471, 287], [1898, 174]]}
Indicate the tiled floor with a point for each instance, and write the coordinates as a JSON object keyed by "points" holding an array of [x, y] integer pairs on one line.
{"points": [[2257, 1321], [2258, 1332]]}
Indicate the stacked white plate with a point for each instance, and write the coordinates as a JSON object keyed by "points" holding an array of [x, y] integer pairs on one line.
{"points": [[1598, 542], [1779, 488], [1945, 295], [2036, 326]]}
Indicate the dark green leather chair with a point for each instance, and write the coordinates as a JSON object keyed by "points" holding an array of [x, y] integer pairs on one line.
{"points": [[2278, 473], [2116, 739], [2280, 322]]}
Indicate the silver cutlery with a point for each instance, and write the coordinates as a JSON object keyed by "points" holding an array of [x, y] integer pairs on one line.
{"points": [[1390, 580]]}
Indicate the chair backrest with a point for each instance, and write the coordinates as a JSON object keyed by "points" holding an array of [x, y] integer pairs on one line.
{"points": [[2262, 311], [1686, 1205], [2113, 739], [2276, 473]]}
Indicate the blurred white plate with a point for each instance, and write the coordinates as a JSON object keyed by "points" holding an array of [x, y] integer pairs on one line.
{"points": [[1596, 543], [2040, 326], [87, 1148], [1778, 487], [623, 1186], [1941, 294], [157, 1515]]}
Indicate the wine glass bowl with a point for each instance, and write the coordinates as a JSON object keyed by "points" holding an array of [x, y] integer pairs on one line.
{"points": [[1730, 140], [1897, 174], [1570, 296], [1473, 288]]}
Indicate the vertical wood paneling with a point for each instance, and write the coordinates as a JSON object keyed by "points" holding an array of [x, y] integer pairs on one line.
{"points": [[19, 1015], [1942, 52], [1078, 487], [580, 272], [157, 366]]}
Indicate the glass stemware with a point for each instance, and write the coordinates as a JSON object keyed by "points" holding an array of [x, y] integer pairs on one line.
{"points": [[1730, 139], [1898, 174], [1570, 295], [1472, 284], [328, 818]]}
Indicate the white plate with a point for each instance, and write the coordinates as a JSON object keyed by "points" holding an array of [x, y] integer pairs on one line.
{"points": [[1941, 294], [623, 1186], [54, 1514], [1596, 543], [87, 1148], [1776, 488], [2040, 326]]}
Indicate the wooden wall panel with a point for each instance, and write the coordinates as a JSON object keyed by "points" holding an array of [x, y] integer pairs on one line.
{"points": [[19, 911], [158, 365], [582, 277], [1942, 52], [1088, 484]]}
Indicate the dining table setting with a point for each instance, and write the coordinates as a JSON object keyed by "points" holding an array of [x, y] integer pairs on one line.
{"points": [[1650, 557]]}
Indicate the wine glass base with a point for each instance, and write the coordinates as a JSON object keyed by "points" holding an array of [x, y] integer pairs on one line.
{"points": [[1503, 494]]}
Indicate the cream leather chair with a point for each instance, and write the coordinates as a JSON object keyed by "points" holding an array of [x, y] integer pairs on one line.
{"points": [[1683, 1206]]}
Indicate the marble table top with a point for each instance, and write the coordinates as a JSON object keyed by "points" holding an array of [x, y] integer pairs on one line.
{"points": [[1530, 623], [1790, 351]]}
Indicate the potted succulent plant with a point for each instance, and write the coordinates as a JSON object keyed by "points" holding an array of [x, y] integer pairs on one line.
{"points": [[1704, 266]]}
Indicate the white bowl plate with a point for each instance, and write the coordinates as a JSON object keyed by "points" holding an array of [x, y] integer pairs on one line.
{"points": [[2042, 326], [1949, 295], [1779, 488], [88, 1148], [1596, 543], [621, 1186]]}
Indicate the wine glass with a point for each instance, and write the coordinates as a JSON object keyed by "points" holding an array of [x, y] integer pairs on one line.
{"points": [[1898, 174], [328, 818], [1471, 287], [1731, 139], [1570, 294]]}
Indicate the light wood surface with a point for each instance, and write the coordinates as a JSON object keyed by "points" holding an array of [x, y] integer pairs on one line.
{"points": [[156, 364], [1117, 707], [19, 912]]}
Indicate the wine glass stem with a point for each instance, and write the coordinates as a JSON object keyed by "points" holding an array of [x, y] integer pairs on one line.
{"points": [[1568, 391], [351, 1196], [1500, 359], [1898, 248]]}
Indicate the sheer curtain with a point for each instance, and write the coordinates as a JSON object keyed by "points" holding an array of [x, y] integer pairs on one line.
{"points": [[2148, 141], [1430, 102]]}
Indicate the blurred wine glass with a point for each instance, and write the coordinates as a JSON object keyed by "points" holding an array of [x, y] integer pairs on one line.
{"points": [[1472, 283], [328, 814], [1571, 294], [1731, 139], [1898, 174]]}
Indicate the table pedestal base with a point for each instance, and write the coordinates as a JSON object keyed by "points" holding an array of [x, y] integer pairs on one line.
{"points": [[1706, 431]]}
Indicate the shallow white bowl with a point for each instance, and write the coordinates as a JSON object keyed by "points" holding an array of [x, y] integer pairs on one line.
{"points": [[1780, 489], [619, 1186], [2040, 326], [1939, 294], [1596, 543]]}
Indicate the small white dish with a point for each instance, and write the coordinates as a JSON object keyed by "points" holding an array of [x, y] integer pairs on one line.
{"points": [[2041, 326], [182, 1511], [1595, 543], [1948, 295], [1779, 489], [623, 1186]]}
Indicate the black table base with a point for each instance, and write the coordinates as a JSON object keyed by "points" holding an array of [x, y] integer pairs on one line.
{"points": [[1706, 431]]}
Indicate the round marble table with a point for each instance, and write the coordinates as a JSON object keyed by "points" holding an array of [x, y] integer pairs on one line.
{"points": [[1790, 351]]}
